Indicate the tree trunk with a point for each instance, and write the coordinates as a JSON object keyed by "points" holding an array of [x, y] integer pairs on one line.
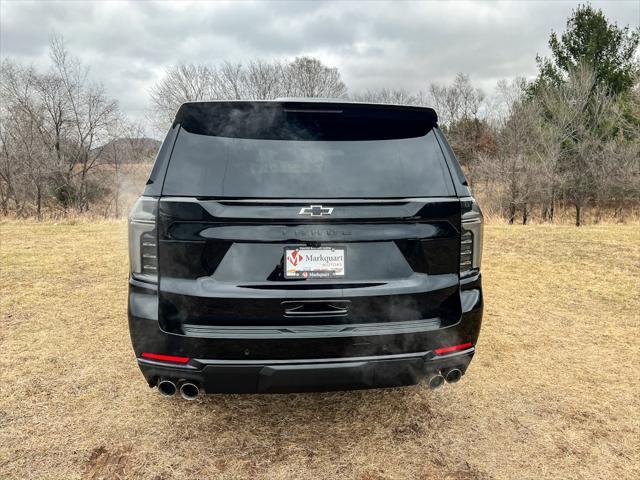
{"points": [[4, 204], [525, 214], [82, 201], [549, 208], [578, 215], [38, 203], [511, 213], [117, 190], [547, 212]]}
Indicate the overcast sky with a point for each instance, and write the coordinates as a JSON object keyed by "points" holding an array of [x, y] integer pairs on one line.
{"points": [[374, 44]]}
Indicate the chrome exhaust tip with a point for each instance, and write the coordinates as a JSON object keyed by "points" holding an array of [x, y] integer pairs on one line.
{"points": [[189, 391], [454, 375], [167, 388], [436, 381]]}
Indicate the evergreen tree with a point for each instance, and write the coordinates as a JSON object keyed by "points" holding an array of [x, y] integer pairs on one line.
{"points": [[591, 39]]}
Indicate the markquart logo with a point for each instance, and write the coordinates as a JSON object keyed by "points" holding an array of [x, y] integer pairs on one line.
{"points": [[294, 258]]}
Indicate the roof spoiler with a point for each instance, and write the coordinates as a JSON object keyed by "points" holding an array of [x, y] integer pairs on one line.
{"points": [[305, 120]]}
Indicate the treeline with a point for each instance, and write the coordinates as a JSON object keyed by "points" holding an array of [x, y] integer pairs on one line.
{"points": [[66, 148], [572, 136], [59, 151], [569, 138], [254, 80]]}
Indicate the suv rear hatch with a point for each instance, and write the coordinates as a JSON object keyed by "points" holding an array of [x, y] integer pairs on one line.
{"points": [[360, 194]]}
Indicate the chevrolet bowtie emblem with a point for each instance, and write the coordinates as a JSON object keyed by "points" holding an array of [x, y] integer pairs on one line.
{"points": [[315, 210]]}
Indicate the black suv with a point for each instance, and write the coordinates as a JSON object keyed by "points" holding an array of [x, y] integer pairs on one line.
{"points": [[302, 246]]}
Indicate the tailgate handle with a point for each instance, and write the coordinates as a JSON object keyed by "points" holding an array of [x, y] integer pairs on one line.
{"points": [[316, 308]]}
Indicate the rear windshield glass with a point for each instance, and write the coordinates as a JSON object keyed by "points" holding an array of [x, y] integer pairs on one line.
{"points": [[209, 166]]}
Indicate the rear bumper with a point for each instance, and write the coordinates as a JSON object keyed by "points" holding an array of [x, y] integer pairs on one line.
{"points": [[309, 375], [265, 362]]}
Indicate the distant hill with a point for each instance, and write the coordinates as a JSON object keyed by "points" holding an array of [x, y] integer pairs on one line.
{"points": [[128, 150]]}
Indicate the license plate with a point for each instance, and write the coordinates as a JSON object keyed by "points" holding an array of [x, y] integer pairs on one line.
{"points": [[304, 262]]}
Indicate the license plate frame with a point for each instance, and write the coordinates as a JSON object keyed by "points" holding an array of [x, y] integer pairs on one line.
{"points": [[311, 268]]}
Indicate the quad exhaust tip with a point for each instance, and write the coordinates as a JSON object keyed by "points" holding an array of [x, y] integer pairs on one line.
{"points": [[454, 375], [167, 388], [189, 391], [436, 381]]}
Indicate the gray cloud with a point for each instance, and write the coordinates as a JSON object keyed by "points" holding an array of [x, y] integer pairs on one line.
{"points": [[374, 44]]}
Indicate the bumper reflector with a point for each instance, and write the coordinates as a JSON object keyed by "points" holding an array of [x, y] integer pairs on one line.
{"points": [[164, 358], [454, 348]]}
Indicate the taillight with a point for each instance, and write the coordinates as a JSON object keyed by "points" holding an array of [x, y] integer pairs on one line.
{"points": [[143, 242], [453, 348], [470, 237], [164, 358]]}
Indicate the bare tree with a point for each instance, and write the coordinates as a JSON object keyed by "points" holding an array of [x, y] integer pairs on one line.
{"points": [[264, 80], [585, 118], [446, 102], [624, 179], [514, 170], [471, 98], [228, 82], [456, 102], [255, 80], [309, 77], [181, 83], [52, 123], [91, 114], [459, 107], [27, 165]]}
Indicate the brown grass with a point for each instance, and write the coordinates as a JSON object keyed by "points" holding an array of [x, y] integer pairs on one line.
{"points": [[552, 393]]}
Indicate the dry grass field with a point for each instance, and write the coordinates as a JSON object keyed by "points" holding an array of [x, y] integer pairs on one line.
{"points": [[554, 391]]}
